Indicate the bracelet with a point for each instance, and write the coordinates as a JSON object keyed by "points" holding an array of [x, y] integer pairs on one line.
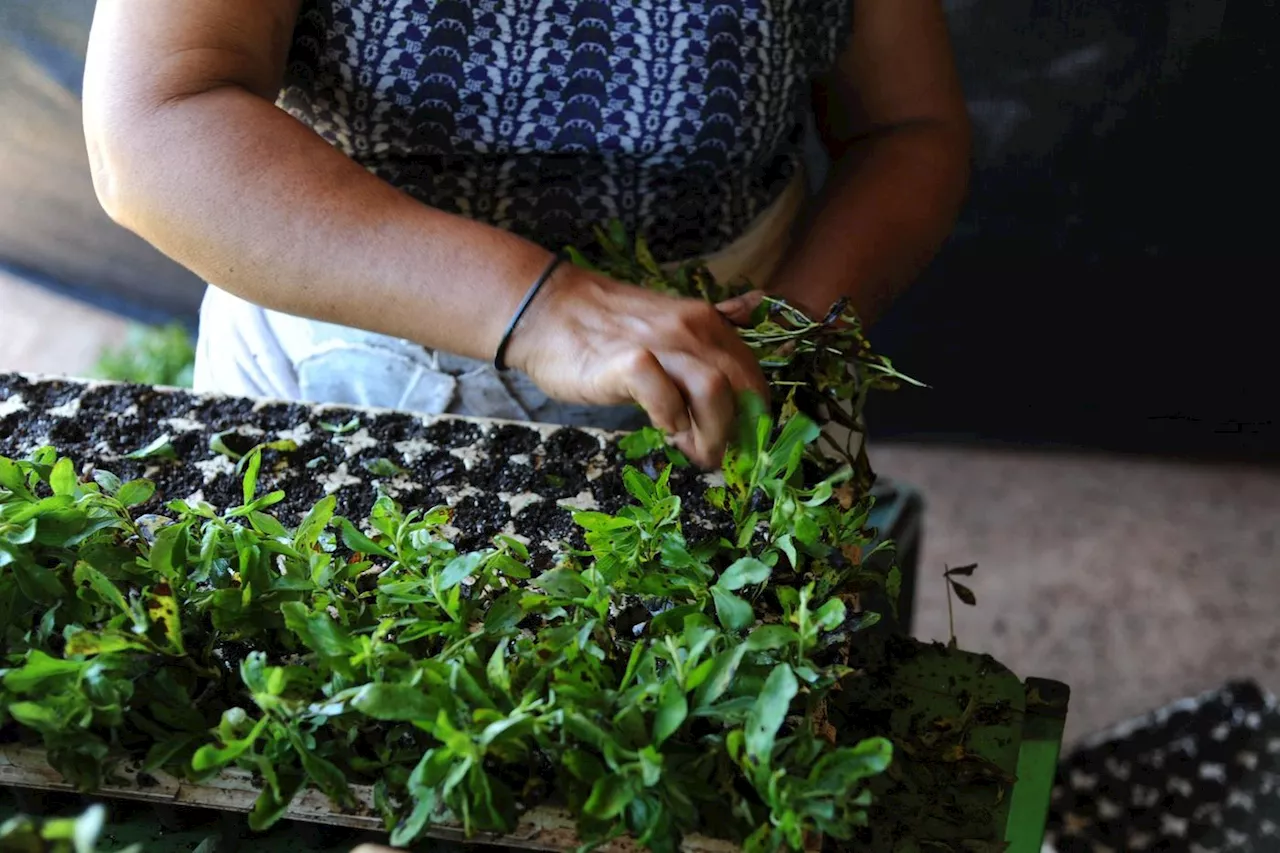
{"points": [[500, 357]]}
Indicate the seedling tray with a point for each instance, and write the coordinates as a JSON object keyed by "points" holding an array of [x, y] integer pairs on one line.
{"points": [[1025, 743], [498, 477], [1017, 726], [234, 791]]}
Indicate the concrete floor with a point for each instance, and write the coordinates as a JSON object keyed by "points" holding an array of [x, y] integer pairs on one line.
{"points": [[1136, 582], [41, 332]]}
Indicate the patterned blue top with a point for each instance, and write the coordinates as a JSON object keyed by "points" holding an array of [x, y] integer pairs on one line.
{"points": [[546, 117]]}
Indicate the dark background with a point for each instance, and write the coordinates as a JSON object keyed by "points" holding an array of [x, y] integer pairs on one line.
{"points": [[1109, 285]]}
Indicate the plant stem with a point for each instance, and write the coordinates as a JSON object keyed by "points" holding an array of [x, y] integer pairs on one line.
{"points": [[951, 615]]}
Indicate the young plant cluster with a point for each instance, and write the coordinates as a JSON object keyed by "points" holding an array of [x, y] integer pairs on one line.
{"points": [[151, 355], [651, 686]]}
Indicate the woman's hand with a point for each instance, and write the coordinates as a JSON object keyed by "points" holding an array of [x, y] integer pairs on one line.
{"points": [[739, 309], [587, 339]]}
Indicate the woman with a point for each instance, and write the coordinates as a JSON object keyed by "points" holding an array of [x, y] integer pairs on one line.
{"points": [[372, 186]]}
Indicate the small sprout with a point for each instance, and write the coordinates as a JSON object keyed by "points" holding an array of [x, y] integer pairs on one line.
{"points": [[383, 468], [231, 444], [961, 591], [341, 429], [161, 448]]}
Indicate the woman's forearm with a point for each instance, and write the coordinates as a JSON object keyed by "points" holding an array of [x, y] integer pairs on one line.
{"points": [[256, 203], [889, 204], [190, 152]]}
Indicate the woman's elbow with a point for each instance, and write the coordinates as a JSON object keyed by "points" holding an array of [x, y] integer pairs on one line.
{"points": [[127, 135], [107, 182], [112, 144]]}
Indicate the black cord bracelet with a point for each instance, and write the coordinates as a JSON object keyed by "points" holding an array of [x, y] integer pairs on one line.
{"points": [[500, 357]]}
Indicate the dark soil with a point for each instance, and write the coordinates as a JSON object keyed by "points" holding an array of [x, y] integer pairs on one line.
{"points": [[303, 489], [9, 428], [301, 494], [276, 417], [496, 474], [478, 518], [393, 428], [559, 478], [572, 445], [51, 394], [451, 434], [153, 406], [224, 491], [356, 502], [546, 521], [238, 443], [11, 384], [71, 433], [130, 436], [174, 482], [438, 468], [421, 499], [368, 461], [337, 417], [510, 439], [318, 453], [21, 430], [220, 415], [688, 485]]}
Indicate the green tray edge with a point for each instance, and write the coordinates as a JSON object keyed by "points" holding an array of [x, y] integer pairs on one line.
{"points": [[1042, 734]]}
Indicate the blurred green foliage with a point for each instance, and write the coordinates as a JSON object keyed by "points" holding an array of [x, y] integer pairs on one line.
{"points": [[81, 834], [151, 355]]}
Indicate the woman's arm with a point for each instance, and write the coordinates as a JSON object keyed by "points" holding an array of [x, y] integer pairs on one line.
{"points": [[189, 151], [893, 118]]}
